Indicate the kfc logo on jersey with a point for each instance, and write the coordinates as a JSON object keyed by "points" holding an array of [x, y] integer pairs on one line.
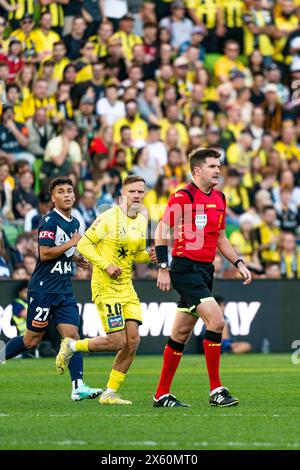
{"points": [[47, 234], [200, 221]]}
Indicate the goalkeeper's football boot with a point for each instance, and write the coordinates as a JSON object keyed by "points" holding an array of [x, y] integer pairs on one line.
{"points": [[167, 401], [223, 398], [84, 391], [111, 398], [64, 355]]}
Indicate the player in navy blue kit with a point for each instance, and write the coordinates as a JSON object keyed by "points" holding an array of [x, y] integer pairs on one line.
{"points": [[50, 290]]}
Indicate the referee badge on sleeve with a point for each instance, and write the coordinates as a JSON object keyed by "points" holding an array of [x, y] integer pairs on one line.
{"points": [[200, 221]]}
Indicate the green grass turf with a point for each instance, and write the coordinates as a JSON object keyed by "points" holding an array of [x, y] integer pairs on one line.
{"points": [[36, 411]]}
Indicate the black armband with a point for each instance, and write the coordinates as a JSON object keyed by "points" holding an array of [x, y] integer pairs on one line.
{"points": [[162, 253], [239, 260]]}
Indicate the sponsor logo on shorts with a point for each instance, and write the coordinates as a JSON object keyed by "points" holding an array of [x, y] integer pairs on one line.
{"points": [[39, 324], [115, 322], [47, 234]]}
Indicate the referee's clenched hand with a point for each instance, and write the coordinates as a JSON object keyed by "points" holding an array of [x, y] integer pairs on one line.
{"points": [[245, 273], [164, 280]]}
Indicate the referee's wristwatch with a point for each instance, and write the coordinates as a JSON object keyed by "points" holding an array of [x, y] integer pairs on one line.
{"points": [[163, 265], [239, 260]]}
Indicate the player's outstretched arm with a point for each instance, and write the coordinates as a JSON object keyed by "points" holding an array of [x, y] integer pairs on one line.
{"points": [[48, 253], [87, 248], [227, 250]]}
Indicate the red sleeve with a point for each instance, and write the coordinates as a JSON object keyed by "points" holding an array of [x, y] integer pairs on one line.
{"points": [[175, 208], [223, 224]]}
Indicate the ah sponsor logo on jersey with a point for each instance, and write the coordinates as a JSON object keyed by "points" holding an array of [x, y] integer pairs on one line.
{"points": [[61, 237], [200, 221], [46, 234]]}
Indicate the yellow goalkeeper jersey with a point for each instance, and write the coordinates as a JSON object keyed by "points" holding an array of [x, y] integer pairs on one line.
{"points": [[118, 240]]}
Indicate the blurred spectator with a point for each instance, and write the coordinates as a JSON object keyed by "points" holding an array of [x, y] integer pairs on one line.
{"points": [[236, 196], [74, 40], [23, 196], [110, 108], [256, 127], [142, 168], [29, 263], [172, 120], [290, 257], [5, 267], [157, 149], [128, 38], [244, 241], [228, 62], [257, 95], [87, 207], [178, 24], [21, 248], [45, 37], [287, 213], [287, 180], [259, 30], [39, 99], [138, 126], [5, 191], [25, 79], [273, 110], [207, 15], [272, 271], [239, 154], [156, 200], [13, 58], [287, 145], [13, 138], [19, 273], [92, 12], [60, 60], [13, 96], [268, 236], [174, 169], [33, 216], [40, 131], [145, 15], [85, 118], [149, 104], [62, 152]]}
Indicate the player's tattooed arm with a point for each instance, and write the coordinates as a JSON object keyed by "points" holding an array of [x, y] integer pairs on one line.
{"points": [[48, 253]]}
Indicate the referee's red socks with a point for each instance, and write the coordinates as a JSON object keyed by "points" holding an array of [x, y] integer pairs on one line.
{"points": [[212, 349], [172, 355]]}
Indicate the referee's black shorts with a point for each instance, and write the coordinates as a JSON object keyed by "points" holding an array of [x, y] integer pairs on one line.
{"points": [[193, 280]]}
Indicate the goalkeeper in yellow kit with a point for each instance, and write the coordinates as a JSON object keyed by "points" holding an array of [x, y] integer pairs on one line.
{"points": [[115, 240]]}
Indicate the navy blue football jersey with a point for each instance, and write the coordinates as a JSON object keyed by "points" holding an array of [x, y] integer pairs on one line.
{"points": [[54, 276]]}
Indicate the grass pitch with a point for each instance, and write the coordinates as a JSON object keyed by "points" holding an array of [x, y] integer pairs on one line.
{"points": [[36, 411]]}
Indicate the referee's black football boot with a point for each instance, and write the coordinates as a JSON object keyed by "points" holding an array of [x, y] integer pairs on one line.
{"points": [[167, 401], [223, 398]]}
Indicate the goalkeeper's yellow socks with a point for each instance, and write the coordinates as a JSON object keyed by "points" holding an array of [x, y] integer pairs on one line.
{"points": [[81, 345], [116, 378]]}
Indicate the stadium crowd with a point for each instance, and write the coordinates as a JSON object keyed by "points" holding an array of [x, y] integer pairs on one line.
{"points": [[98, 90]]}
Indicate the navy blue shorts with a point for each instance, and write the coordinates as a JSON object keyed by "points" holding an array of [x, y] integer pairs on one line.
{"points": [[62, 307]]}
